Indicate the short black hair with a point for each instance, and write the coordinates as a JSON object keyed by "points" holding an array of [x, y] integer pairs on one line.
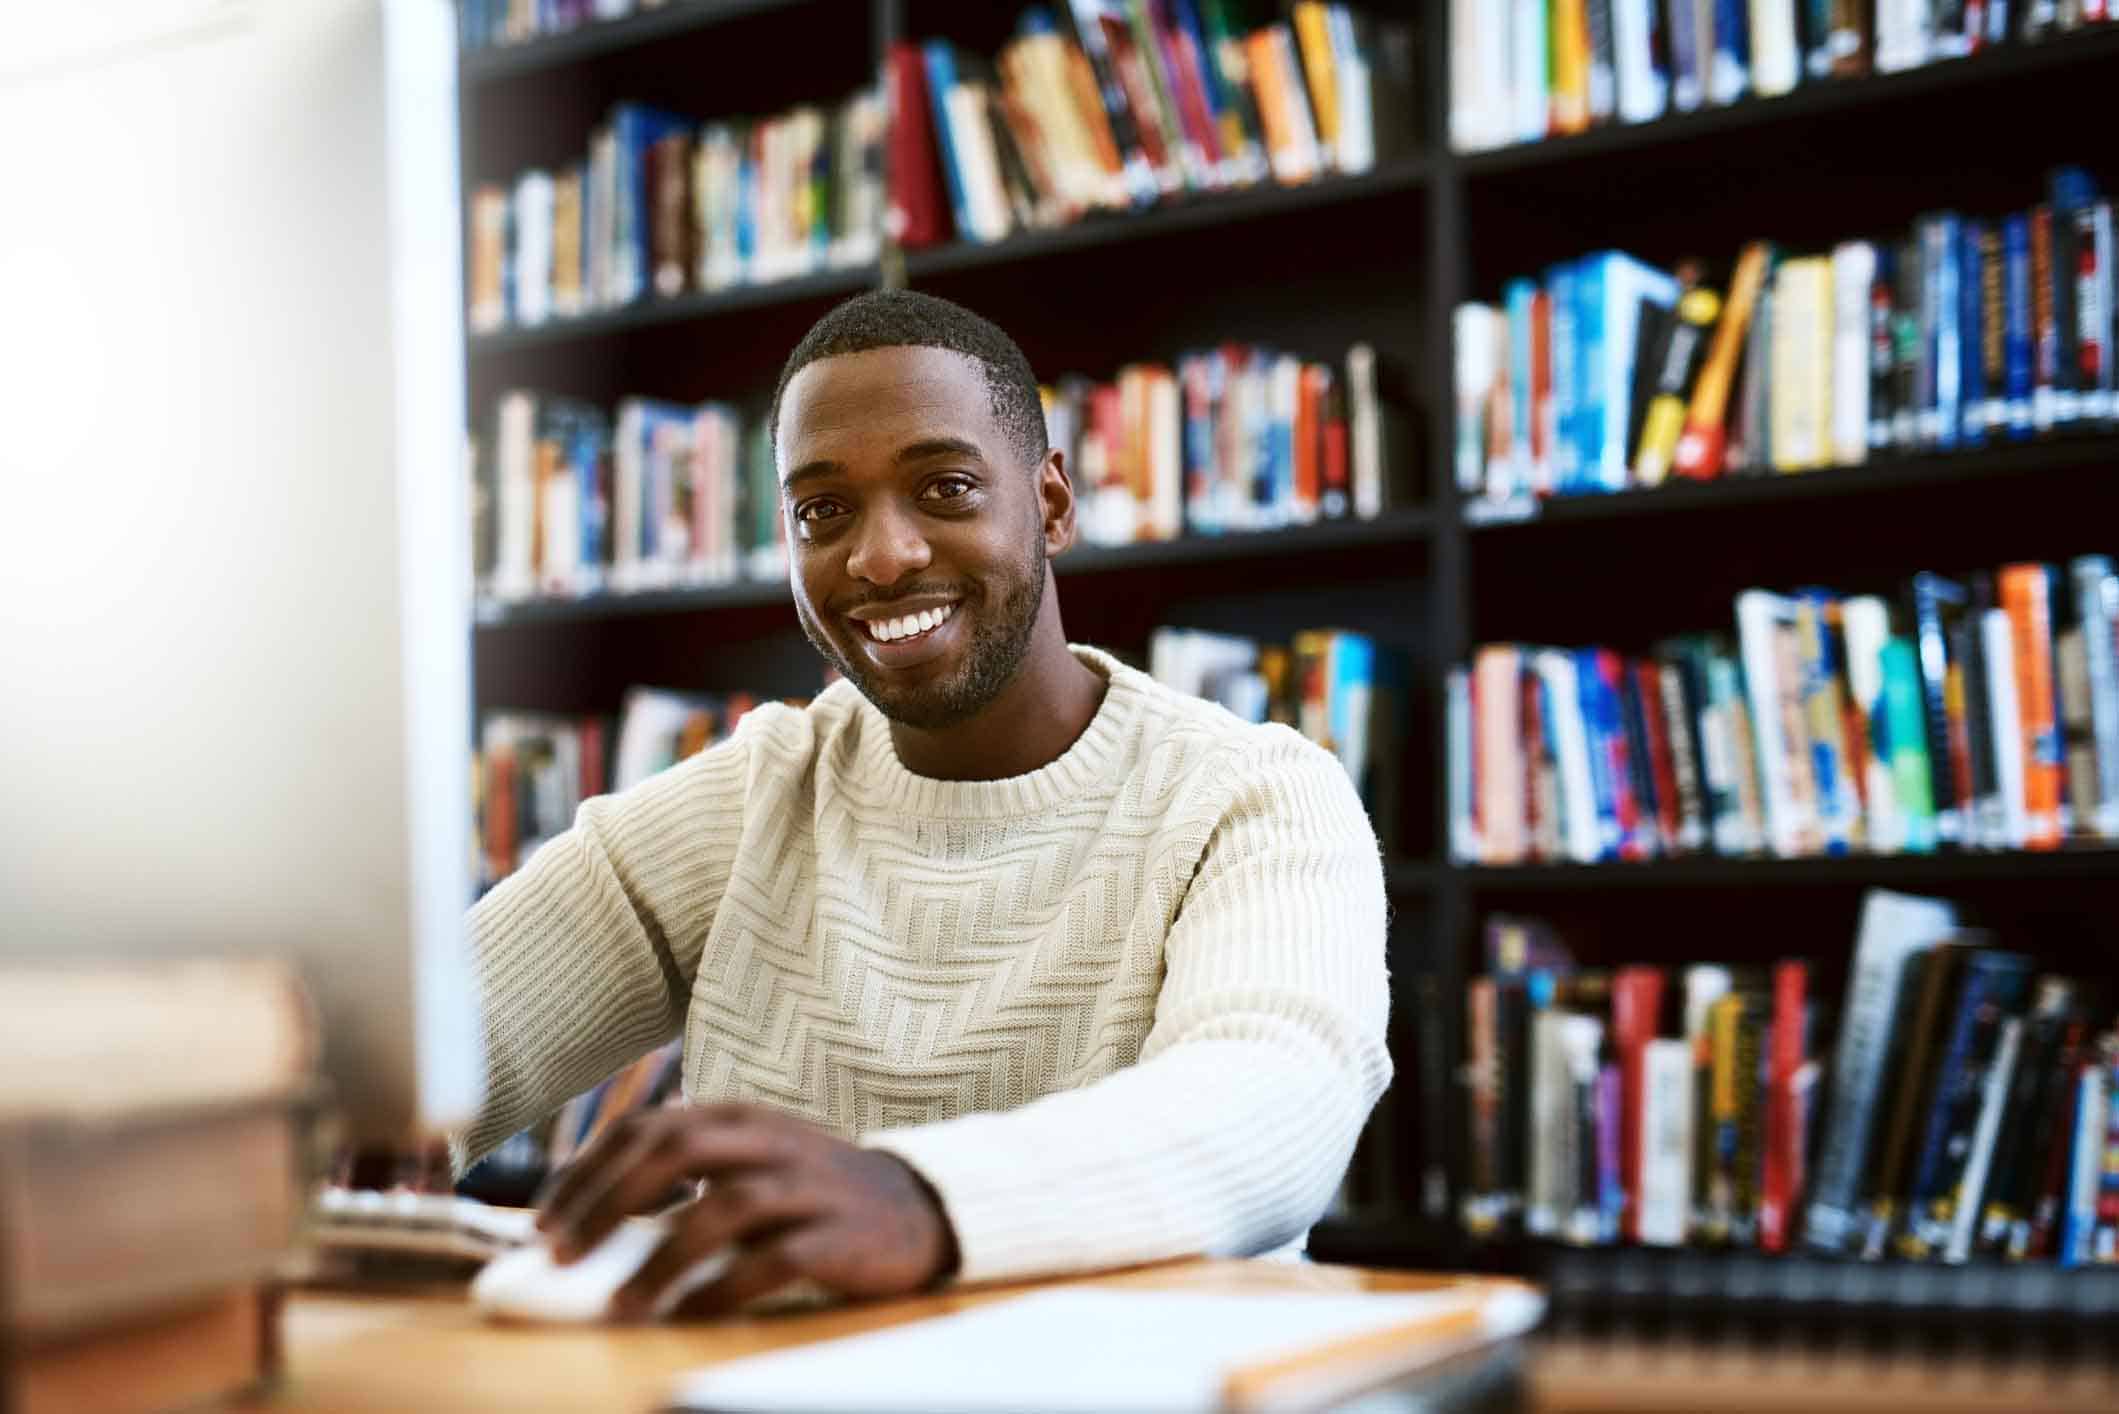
{"points": [[890, 319]]}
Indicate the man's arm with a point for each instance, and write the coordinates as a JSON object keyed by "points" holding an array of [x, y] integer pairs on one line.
{"points": [[1231, 1133], [584, 957]]}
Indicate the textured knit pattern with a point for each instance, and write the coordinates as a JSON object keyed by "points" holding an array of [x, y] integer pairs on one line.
{"points": [[1128, 1006]]}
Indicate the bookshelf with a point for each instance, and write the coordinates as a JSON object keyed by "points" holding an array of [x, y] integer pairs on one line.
{"points": [[1384, 257]]}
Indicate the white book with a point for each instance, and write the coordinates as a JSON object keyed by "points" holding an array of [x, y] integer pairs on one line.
{"points": [[1580, 1038], [1853, 275], [628, 451], [1527, 77], [1166, 467], [1478, 75], [1865, 622], [1776, 61], [514, 452], [1578, 802], [2011, 826], [2091, 1114], [533, 248], [1902, 35], [1666, 1142], [1643, 93], [1791, 819], [1364, 431], [601, 226], [1893, 928], [1476, 343], [1463, 831], [1971, 1190], [1550, 1195]]}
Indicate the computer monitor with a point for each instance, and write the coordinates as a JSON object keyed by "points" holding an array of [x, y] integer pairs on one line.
{"points": [[234, 549]]}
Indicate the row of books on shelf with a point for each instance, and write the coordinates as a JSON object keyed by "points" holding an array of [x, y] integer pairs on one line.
{"points": [[570, 501], [1342, 690], [533, 770], [1610, 373], [1979, 713], [1526, 70], [1962, 1106], [1234, 438], [663, 205], [488, 24], [1105, 105]]}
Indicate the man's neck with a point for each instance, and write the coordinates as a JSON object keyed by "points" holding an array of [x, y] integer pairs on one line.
{"points": [[1043, 711]]}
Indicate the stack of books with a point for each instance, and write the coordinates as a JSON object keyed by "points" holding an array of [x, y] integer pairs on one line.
{"points": [[1109, 105], [153, 1161], [1526, 70], [663, 206], [1980, 712], [1609, 374], [1962, 1107], [1229, 439]]}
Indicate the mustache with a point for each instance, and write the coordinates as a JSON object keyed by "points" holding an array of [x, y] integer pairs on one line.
{"points": [[903, 591]]}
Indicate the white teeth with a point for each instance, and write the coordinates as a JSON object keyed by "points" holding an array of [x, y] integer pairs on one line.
{"points": [[905, 626]]}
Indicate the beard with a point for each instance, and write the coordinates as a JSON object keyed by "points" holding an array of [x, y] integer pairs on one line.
{"points": [[1004, 619]]}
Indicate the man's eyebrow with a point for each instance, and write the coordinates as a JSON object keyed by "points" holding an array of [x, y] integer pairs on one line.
{"points": [[923, 450], [937, 447]]}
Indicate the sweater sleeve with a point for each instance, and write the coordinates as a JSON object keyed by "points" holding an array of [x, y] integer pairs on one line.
{"points": [[584, 957], [1230, 1134]]}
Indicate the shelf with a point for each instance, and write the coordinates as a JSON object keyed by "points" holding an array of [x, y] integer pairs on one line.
{"points": [[1914, 870], [1886, 475], [1180, 213], [1400, 527], [2091, 52], [507, 61], [650, 312]]}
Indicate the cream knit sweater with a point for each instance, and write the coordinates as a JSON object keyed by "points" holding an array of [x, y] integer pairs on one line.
{"points": [[1128, 1006]]}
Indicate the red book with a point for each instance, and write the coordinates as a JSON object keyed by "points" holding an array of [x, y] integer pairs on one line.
{"points": [[1648, 678], [1309, 441], [1782, 1187], [915, 214], [1636, 1007], [1338, 479], [593, 780]]}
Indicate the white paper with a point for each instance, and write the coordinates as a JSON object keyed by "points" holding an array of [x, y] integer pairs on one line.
{"points": [[1080, 1348]]}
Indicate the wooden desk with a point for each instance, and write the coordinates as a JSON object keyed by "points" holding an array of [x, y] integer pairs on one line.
{"points": [[373, 1353], [349, 1352]]}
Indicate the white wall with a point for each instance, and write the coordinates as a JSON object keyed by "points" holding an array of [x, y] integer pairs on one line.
{"points": [[209, 583]]}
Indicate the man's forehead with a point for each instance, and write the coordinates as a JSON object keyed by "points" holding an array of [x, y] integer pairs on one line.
{"points": [[908, 391]]}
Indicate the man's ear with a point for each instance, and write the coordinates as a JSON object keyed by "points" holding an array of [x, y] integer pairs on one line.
{"points": [[1055, 490]]}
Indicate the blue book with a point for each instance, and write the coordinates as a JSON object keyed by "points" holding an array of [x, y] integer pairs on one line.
{"points": [[2016, 339], [1521, 297], [941, 78], [636, 128], [1731, 74], [1993, 987], [1941, 410], [1587, 415], [1837, 806], [1971, 334], [1596, 727], [1566, 380], [1614, 289]]}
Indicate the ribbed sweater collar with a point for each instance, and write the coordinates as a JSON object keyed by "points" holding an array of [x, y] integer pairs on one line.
{"points": [[1092, 761]]}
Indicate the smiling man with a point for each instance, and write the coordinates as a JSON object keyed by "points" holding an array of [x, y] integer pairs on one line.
{"points": [[997, 959]]}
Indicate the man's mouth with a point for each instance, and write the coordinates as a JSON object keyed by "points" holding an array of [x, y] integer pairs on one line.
{"points": [[907, 628]]}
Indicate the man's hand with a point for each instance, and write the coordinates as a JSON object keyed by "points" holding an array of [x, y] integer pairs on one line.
{"points": [[794, 1201]]}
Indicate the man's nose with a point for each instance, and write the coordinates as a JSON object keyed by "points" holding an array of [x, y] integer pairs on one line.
{"points": [[887, 546]]}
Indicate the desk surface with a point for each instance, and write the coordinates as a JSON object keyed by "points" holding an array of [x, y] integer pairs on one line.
{"points": [[427, 1349], [412, 1351]]}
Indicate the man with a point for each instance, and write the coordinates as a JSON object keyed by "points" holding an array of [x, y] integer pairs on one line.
{"points": [[1000, 958]]}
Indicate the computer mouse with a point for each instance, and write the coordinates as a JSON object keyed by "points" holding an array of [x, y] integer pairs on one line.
{"points": [[526, 1284]]}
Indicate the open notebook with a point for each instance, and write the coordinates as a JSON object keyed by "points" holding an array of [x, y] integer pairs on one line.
{"points": [[1102, 1348]]}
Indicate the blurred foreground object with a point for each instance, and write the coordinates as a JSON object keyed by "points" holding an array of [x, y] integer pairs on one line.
{"points": [[154, 1122]]}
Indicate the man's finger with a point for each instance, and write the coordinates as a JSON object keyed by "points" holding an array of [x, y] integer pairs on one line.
{"points": [[706, 1143], [748, 1206], [589, 1169], [758, 1270]]}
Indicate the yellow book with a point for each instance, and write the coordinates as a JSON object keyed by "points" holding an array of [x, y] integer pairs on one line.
{"points": [[1698, 308], [1799, 395], [1570, 66], [1314, 38]]}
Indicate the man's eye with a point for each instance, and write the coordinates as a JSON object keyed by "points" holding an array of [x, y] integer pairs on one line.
{"points": [[815, 511], [945, 488]]}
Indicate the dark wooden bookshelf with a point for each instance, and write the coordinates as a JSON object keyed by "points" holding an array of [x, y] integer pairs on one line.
{"points": [[598, 38], [1386, 256], [2002, 468], [1200, 211], [1906, 871], [1969, 77]]}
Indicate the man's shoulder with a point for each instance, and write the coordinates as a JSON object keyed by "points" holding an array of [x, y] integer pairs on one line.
{"points": [[1226, 751], [783, 729]]}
